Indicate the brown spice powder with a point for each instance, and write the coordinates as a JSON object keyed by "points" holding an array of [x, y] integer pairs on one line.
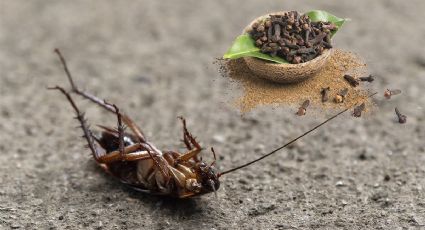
{"points": [[258, 91]]}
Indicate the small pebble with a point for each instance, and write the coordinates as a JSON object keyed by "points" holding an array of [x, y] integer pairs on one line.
{"points": [[340, 183], [387, 177], [219, 138], [15, 226]]}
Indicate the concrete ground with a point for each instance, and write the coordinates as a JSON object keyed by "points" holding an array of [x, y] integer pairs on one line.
{"points": [[155, 60]]}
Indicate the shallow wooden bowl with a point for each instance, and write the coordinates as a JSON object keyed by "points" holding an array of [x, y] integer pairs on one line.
{"points": [[284, 73]]}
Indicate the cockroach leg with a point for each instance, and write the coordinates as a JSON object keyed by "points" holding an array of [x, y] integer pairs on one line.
{"points": [[188, 155], [80, 117], [186, 140], [189, 140], [188, 135], [160, 166], [99, 101], [127, 120], [120, 130], [129, 154], [215, 158]]}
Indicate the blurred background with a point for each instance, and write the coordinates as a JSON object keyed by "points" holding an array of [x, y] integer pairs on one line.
{"points": [[155, 59]]}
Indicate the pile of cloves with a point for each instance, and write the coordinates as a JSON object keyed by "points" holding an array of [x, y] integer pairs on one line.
{"points": [[292, 36]]}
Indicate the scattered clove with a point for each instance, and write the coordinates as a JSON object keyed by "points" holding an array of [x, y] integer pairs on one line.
{"points": [[325, 94], [369, 78], [401, 117], [340, 97], [391, 92], [303, 109], [359, 109], [353, 82], [292, 36]]}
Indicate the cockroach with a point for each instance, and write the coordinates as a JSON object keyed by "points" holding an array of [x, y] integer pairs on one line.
{"points": [[303, 108], [391, 92], [340, 97], [358, 110], [136, 162], [350, 79]]}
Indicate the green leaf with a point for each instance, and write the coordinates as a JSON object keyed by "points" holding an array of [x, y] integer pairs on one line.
{"points": [[319, 15], [244, 45]]}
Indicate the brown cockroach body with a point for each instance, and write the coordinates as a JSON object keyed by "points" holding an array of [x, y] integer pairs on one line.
{"points": [[136, 162]]}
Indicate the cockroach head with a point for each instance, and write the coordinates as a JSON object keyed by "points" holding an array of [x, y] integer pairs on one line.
{"points": [[209, 178]]}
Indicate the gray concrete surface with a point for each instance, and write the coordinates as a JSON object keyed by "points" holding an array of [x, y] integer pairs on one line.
{"points": [[154, 59]]}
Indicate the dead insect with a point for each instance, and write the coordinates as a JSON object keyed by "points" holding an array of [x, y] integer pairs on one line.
{"points": [[303, 108], [136, 162], [401, 117], [358, 110], [391, 92], [369, 78], [350, 79], [340, 97], [325, 94]]}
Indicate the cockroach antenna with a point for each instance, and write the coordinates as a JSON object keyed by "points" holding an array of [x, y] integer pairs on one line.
{"points": [[285, 145]]}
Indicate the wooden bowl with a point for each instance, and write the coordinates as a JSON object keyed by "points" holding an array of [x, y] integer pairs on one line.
{"points": [[286, 72]]}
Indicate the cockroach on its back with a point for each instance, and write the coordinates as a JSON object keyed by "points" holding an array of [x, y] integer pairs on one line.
{"points": [[137, 163]]}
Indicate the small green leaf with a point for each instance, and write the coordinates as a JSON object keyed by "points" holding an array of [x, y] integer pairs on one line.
{"points": [[244, 45], [318, 15]]}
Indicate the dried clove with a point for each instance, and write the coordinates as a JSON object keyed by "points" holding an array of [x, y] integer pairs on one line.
{"points": [[369, 78], [350, 79], [325, 94], [326, 45], [391, 92], [298, 39], [340, 97], [358, 110], [302, 110], [401, 117], [277, 31], [305, 50]]}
